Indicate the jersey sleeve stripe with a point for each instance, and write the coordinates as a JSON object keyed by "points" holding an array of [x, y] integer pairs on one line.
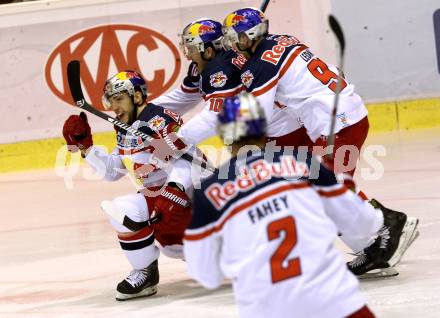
{"points": [[284, 68], [189, 90], [224, 94], [242, 207], [333, 193]]}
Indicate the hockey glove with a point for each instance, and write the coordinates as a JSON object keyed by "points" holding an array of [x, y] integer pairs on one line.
{"points": [[172, 208], [77, 132], [193, 74]]}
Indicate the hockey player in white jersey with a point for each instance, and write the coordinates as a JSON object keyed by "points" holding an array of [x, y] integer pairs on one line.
{"points": [[125, 94], [213, 75], [282, 70], [270, 226]]}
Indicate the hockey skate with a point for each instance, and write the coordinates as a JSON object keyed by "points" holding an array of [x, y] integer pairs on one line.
{"points": [[409, 234], [396, 235], [139, 283]]}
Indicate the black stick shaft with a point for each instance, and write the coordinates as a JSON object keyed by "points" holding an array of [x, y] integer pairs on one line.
{"points": [[264, 5], [337, 30]]}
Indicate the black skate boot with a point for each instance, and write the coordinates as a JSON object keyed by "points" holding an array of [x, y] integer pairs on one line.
{"points": [[139, 283], [374, 258], [408, 236]]}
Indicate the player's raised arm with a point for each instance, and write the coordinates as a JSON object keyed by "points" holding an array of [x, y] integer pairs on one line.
{"points": [[78, 136], [219, 75], [185, 97]]}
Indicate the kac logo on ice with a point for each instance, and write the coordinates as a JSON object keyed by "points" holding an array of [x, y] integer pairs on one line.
{"points": [[437, 36]]}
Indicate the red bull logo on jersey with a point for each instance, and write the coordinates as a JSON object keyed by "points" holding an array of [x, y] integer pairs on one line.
{"points": [[256, 173], [247, 78], [156, 123], [239, 61], [218, 79], [274, 55]]}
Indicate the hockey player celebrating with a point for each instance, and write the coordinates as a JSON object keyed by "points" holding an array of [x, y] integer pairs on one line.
{"points": [[214, 74], [125, 94], [270, 228], [282, 70]]}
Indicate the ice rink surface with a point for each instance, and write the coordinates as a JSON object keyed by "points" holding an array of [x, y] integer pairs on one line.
{"points": [[60, 258]]}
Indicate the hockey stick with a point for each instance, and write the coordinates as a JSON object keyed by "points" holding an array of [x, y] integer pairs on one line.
{"points": [[74, 79], [264, 5], [337, 30]]}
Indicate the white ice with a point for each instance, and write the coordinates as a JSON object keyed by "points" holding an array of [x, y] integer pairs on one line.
{"points": [[60, 258]]}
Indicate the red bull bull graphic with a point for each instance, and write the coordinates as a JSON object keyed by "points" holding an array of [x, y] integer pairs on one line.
{"points": [[201, 29], [218, 79], [237, 19], [156, 123], [204, 29], [247, 78], [233, 19]]}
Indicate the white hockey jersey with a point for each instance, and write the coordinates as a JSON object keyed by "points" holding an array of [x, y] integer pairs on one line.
{"points": [[285, 72], [270, 228], [220, 79], [130, 150]]}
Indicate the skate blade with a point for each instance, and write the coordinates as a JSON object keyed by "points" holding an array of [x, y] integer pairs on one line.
{"points": [[379, 273], [409, 235], [150, 291]]}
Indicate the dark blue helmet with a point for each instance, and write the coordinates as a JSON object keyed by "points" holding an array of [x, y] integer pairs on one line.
{"points": [[250, 21], [199, 33], [241, 117]]}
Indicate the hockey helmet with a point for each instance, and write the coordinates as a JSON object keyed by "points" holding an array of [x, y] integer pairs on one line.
{"points": [[199, 35], [126, 81], [241, 117], [249, 21]]}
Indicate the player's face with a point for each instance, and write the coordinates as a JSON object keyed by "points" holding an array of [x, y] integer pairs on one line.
{"points": [[238, 42], [196, 57], [122, 105]]}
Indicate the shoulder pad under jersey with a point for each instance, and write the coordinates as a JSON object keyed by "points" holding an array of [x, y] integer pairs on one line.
{"points": [[155, 118], [272, 54], [222, 75]]}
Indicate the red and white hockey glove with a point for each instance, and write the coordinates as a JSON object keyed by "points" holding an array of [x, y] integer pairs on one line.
{"points": [[173, 208], [77, 132]]}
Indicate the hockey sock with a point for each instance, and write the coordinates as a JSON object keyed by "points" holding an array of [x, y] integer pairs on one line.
{"points": [[139, 248]]}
